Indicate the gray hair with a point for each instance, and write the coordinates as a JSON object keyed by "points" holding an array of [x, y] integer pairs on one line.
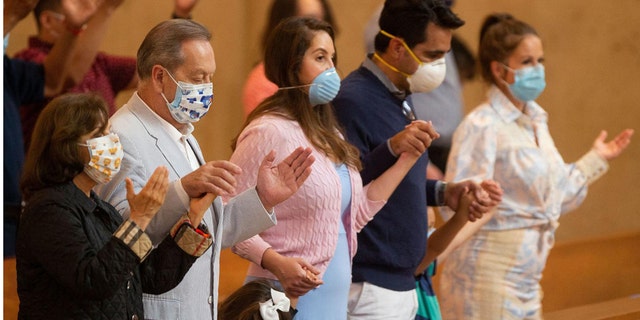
{"points": [[163, 44]]}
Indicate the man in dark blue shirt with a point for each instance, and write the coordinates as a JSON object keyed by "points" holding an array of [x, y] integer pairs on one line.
{"points": [[371, 106]]}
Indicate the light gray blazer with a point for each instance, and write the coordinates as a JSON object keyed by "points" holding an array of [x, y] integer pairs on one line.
{"points": [[146, 146]]}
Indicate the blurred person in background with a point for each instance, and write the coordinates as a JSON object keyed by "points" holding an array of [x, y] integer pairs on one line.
{"points": [[109, 74], [496, 273], [28, 82]]}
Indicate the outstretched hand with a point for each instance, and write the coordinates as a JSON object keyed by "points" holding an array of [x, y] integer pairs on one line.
{"points": [[143, 206], [277, 183], [612, 149]]}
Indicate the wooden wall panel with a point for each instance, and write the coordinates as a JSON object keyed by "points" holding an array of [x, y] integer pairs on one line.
{"points": [[593, 69]]}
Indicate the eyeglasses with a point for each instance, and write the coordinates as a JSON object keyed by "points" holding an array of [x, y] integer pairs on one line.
{"points": [[408, 111]]}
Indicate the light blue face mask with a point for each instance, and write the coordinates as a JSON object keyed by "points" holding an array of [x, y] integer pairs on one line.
{"points": [[325, 87], [529, 82], [6, 43]]}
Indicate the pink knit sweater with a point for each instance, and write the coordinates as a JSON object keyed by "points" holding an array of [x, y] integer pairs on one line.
{"points": [[308, 221]]}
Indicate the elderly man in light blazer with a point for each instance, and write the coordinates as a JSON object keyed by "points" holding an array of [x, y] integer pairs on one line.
{"points": [[175, 64]]}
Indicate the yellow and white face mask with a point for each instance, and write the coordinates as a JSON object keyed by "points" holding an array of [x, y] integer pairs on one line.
{"points": [[428, 76], [106, 157]]}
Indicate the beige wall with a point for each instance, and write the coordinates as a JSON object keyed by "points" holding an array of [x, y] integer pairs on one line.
{"points": [[593, 67]]}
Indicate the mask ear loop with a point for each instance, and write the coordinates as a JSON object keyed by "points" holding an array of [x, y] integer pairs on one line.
{"points": [[509, 69], [295, 87], [406, 46], [377, 56], [172, 78], [300, 86]]}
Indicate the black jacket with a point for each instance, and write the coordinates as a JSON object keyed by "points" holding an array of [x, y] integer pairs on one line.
{"points": [[71, 266]]}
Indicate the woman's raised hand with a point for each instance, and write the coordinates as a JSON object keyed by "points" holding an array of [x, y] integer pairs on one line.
{"points": [[144, 205]]}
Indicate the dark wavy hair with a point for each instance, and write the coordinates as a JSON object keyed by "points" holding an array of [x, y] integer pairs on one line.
{"points": [[282, 61], [53, 157]]}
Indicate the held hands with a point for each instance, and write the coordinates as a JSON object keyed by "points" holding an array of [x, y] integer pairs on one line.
{"points": [[296, 275], [415, 137], [144, 205], [406, 160], [217, 177], [464, 203], [494, 190], [277, 183], [487, 195], [612, 149], [198, 206]]}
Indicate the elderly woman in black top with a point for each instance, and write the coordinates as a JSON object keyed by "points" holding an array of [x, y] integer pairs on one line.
{"points": [[77, 258]]}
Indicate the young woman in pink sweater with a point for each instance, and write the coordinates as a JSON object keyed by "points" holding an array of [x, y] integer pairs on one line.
{"points": [[308, 253]]}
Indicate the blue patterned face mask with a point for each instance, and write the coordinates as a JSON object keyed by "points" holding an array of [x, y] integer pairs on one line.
{"points": [[529, 82], [191, 102], [323, 89]]}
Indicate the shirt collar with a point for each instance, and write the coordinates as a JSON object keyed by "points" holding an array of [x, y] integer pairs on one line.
{"points": [[508, 111], [371, 66]]}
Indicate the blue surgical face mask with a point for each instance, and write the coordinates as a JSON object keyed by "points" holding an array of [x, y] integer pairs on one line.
{"points": [[191, 101], [323, 89], [6, 43], [529, 82]]}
